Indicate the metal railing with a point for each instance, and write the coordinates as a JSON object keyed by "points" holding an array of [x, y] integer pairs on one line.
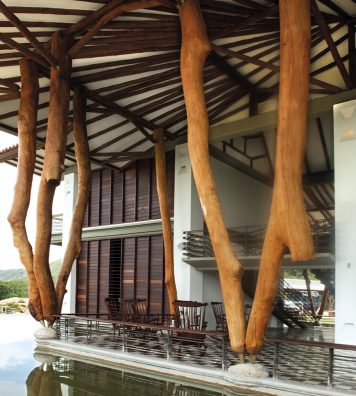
{"points": [[166, 342], [329, 364], [305, 360], [248, 241]]}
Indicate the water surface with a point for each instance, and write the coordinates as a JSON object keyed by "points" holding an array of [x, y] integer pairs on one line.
{"points": [[22, 375]]}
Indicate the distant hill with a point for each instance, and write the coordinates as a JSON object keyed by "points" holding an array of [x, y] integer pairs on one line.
{"points": [[12, 274], [20, 273]]}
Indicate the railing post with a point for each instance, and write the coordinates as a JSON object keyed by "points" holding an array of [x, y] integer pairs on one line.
{"points": [[275, 359], [123, 339], [331, 367], [223, 353], [169, 346]]}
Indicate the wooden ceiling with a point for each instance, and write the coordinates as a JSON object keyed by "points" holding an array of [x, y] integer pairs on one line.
{"points": [[129, 63]]}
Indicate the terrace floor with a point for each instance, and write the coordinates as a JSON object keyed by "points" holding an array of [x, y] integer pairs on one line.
{"points": [[300, 356]]}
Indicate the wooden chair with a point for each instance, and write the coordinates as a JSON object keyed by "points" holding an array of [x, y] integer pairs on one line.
{"points": [[114, 313], [219, 314], [220, 317], [190, 315]]}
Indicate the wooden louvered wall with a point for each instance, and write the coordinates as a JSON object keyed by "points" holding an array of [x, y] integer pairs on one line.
{"points": [[131, 195], [129, 267], [140, 275]]}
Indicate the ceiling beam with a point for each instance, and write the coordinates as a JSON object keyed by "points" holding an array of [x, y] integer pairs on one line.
{"points": [[24, 51], [222, 65], [109, 16], [324, 28], [28, 35], [268, 121]]}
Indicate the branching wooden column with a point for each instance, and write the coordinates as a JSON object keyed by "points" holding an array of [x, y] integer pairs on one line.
{"points": [[288, 224], [160, 158], [84, 180], [56, 138], [57, 128], [27, 119], [195, 48]]}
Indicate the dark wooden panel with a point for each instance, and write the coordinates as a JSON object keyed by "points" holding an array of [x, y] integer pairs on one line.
{"points": [[94, 215], [93, 276], [104, 270], [117, 198], [130, 195], [143, 190], [105, 198], [82, 268], [157, 292], [128, 270], [142, 267]]}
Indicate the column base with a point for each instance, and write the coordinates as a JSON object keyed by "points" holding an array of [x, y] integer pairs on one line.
{"points": [[248, 370]]}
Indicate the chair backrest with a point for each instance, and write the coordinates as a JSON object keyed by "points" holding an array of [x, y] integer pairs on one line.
{"points": [[219, 314], [133, 310], [113, 306], [190, 314]]}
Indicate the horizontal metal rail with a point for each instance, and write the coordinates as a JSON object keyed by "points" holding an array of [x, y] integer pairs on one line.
{"points": [[248, 241]]}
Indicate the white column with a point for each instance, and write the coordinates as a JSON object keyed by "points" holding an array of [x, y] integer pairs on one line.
{"points": [[187, 216], [70, 196], [345, 221]]}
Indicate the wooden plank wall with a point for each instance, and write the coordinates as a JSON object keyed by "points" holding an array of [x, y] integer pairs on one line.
{"points": [[130, 267], [131, 195]]}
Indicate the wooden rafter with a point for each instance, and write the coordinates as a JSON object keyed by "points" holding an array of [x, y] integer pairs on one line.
{"points": [[327, 36]]}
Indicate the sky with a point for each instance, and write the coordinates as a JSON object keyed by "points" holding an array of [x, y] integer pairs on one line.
{"points": [[8, 253]]}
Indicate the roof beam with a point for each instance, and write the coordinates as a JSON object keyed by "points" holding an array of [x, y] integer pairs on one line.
{"points": [[24, 51], [324, 28], [110, 15], [268, 121], [28, 35], [222, 65]]}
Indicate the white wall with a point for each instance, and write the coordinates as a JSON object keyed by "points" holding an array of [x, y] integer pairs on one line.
{"points": [[244, 202], [70, 197], [345, 222]]}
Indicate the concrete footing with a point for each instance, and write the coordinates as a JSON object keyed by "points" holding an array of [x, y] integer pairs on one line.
{"points": [[45, 333], [248, 370]]}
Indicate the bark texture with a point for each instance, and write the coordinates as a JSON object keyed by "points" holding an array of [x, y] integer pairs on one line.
{"points": [[56, 138], [160, 158], [84, 180], [58, 110], [195, 48], [27, 118], [288, 224]]}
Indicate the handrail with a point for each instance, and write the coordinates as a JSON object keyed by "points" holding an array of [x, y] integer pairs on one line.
{"points": [[318, 344], [248, 240]]}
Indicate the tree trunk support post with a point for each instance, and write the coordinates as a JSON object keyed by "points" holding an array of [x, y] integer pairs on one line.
{"points": [[53, 168], [161, 178], [84, 181], [195, 48], [27, 119], [288, 223]]}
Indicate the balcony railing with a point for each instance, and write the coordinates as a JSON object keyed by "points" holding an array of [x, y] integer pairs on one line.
{"points": [[248, 241]]}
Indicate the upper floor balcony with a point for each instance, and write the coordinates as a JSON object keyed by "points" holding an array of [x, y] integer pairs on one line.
{"points": [[247, 243]]}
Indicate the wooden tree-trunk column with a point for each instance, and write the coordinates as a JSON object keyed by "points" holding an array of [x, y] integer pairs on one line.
{"points": [[84, 180], [56, 138], [288, 224], [27, 119], [195, 48], [160, 158]]}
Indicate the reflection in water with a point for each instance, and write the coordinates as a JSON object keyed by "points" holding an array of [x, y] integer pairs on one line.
{"points": [[44, 381], [62, 376]]}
